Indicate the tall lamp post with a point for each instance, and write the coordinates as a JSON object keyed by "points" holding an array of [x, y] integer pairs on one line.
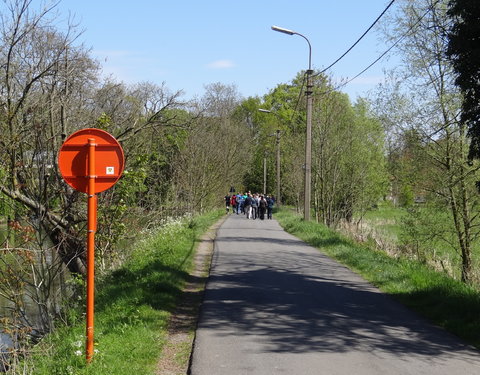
{"points": [[308, 136], [277, 143]]}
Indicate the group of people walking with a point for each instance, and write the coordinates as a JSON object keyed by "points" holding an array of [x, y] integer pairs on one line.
{"points": [[253, 206]]}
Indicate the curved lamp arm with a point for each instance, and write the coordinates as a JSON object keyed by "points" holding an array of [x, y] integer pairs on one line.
{"points": [[291, 32]]}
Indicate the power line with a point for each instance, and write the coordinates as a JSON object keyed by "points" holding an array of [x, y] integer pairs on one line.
{"points": [[430, 8], [298, 99], [388, 50], [369, 66], [358, 40], [341, 57]]}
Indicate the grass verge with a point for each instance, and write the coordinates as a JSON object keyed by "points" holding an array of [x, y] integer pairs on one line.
{"points": [[132, 308], [441, 299]]}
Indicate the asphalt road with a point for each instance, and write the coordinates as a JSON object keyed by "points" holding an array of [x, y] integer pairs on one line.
{"points": [[274, 305]]}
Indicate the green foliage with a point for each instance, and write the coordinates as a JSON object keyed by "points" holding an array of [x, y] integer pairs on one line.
{"points": [[428, 143], [406, 197], [410, 169], [369, 180], [348, 162], [349, 173], [103, 122], [445, 301], [133, 181], [6, 205], [132, 307], [427, 233], [464, 52], [115, 207]]}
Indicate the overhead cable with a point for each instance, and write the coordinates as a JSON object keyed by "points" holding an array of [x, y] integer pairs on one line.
{"points": [[370, 65], [299, 97], [389, 49], [358, 40]]}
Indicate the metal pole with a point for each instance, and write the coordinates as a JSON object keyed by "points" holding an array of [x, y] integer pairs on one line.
{"points": [[308, 147], [278, 168], [264, 175], [91, 227]]}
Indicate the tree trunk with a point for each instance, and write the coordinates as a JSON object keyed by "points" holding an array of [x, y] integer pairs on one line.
{"points": [[70, 248]]}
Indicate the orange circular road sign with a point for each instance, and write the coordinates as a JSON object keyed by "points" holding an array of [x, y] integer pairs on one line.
{"points": [[73, 160]]}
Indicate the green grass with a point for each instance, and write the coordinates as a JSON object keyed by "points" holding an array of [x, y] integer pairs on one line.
{"points": [[132, 308], [385, 219], [384, 210], [443, 300], [419, 234]]}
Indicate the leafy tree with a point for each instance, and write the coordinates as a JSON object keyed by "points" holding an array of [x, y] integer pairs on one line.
{"points": [[349, 165], [464, 52], [288, 115], [348, 173], [409, 168], [426, 83]]}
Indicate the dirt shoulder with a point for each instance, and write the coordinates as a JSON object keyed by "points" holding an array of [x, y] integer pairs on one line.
{"points": [[183, 322]]}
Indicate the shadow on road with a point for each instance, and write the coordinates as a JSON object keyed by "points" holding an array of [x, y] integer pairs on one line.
{"points": [[301, 301]]}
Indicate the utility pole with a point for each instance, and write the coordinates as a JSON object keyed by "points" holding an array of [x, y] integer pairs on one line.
{"points": [[278, 167], [264, 173], [308, 147]]}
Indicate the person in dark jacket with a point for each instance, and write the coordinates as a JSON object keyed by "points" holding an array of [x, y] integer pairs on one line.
{"points": [[270, 203], [262, 207], [227, 202]]}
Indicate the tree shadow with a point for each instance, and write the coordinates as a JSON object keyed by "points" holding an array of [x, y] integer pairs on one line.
{"points": [[306, 302]]}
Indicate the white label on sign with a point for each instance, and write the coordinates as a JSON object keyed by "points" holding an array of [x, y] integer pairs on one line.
{"points": [[110, 170]]}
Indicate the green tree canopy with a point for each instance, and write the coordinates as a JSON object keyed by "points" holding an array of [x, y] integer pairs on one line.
{"points": [[464, 52]]}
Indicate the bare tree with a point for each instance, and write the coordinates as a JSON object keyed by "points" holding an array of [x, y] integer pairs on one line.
{"points": [[216, 150]]}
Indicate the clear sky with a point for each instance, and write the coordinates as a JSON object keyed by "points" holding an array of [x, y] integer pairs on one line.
{"points": [[190, 43]]}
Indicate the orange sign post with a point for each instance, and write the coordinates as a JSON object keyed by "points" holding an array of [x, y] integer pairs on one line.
{"points": [[91, 161]]}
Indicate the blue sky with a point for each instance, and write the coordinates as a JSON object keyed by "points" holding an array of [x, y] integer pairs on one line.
{"points": [[191, 43]]}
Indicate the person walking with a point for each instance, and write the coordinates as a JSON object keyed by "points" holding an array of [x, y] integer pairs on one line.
{"points": [[247, 205], [233, 202], [270, 203], [254, 207], [239, 203], [227, 202], [262, 207]]}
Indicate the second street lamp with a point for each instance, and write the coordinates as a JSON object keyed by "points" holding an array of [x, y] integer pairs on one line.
{"points": [[308, 135]]}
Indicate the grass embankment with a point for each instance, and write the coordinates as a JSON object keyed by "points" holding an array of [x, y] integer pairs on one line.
{"points": [[443, 300], [132, 308]]}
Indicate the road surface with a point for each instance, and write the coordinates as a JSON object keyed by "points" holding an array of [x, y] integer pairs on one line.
{"points": [[274, 305]]}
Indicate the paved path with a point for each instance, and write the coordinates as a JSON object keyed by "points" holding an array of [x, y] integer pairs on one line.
{"points": [[275, 305]]}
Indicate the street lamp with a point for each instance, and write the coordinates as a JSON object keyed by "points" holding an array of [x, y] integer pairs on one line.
{"points": [[277, 135], [308, 136]]}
